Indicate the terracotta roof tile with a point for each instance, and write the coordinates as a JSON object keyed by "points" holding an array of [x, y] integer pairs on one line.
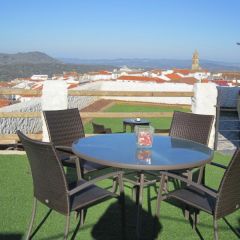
{"points": [[4, 102], [173, 76], [187, 80], [140, 78], [182, 71], [73, 85]]}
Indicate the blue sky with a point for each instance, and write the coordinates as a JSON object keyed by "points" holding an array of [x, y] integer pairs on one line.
{"points": [[122, 28]]}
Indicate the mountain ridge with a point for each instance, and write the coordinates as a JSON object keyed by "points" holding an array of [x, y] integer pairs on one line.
{"points": [[156, 63], [26, 58]]}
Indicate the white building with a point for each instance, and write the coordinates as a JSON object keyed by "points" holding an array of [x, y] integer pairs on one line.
{"points": [[39, 77]]}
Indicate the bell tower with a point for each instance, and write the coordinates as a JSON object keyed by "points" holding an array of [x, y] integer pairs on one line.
{"points": [[195, 61]]}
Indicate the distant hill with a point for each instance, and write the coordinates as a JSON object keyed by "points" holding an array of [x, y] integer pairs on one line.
{"points": [[157, 63], [22, 65], [26, 58]]}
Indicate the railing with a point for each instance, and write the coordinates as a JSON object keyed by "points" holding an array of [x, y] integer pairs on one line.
{"points": [[37, 93]]}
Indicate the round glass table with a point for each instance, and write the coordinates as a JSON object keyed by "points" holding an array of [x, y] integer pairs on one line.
{"points": [[121, 151]]}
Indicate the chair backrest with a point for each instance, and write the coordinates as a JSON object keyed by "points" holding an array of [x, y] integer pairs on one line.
{"points": [[49, 182], [98, 128], [64, 126], [229, 189], [195, 127]]}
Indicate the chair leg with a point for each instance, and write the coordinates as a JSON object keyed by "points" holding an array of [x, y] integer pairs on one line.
{"points": [[114, 185], [32, 218], [78, 169], [187, 210], [215, 226], [159, 196], [66, 227], [136, 194], [83, 213]]}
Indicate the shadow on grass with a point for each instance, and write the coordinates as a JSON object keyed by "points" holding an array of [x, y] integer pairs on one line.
{"points": [[235, 231], [10, 236], [114, 226]]}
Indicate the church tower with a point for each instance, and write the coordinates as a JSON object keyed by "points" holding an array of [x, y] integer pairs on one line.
{"points": [[195, 61]]}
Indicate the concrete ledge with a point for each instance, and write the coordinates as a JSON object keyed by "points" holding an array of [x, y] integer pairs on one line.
{"points": [[12, 152]]}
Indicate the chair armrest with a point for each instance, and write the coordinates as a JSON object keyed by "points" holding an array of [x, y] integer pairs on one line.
{"points": [[218, 165], [91, 182], [65, 149], [194, 184]]}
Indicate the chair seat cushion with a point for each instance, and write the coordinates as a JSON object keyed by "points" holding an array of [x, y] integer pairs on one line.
{"points": [[195, 197], [88, 196]]}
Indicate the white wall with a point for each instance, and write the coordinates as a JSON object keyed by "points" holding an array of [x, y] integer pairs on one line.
{"points": [[204, 102], [135, 86]]}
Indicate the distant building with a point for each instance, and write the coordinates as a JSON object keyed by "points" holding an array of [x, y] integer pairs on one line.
{"points": [[39, 77], [195, 61]]}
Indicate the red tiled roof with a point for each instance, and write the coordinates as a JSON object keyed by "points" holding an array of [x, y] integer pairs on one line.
{"points": [[73, 85], [173, 76], [187, 80], [140, 78], [5, 84], [103, 72], [182, 71], [4, 102]]}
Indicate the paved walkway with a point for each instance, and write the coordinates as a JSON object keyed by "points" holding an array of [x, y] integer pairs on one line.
{"points": [[229, 130]]}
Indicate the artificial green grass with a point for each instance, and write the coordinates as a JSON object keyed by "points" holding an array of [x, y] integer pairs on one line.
{"points": [[116, 123], [103, 221]]}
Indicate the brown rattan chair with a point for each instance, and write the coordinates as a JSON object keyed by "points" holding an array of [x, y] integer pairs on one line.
{"points": [[100, 128], [64, 127], [217, 203], [195, 127], [190, 126], [51, 188]]}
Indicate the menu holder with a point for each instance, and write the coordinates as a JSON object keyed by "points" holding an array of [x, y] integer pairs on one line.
{"points": [[144, 136]]}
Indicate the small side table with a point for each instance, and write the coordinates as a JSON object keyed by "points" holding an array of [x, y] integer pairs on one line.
{"points": [[132, 122]]}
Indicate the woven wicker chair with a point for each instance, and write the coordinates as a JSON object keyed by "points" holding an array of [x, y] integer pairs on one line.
{"points": [[194, 127], [190, 126], [100, 128], [217, 203], [64, 127], [52, 189]]}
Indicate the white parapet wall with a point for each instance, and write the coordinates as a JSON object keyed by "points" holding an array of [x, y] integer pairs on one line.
{"points": [[54, 97], [204, 102], [138, 86]]}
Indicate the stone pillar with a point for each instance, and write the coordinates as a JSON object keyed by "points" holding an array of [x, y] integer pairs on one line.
{"points": [[204, 102], [54, 97]]}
